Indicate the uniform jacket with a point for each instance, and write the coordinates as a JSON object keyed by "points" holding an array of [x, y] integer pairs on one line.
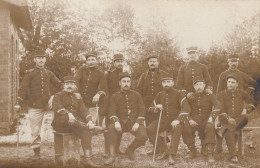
{"points": [[36, 87], [174, 102], [244, 80], [187, 73], [204, 106], [234, 102], [113, 81], [149, 85], [126, 105], [90, 81]]}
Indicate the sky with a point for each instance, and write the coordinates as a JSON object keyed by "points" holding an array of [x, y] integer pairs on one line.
{"points": [[197, 22]]}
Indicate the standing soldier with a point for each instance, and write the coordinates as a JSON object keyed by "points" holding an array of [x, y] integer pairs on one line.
{"points": [[235, 104], [190, 70], [245, 82], [175, 116], [36, 87], [126, 112], [71, 116], [204, 110], [149, 85], [113, 86], [91, 82]]}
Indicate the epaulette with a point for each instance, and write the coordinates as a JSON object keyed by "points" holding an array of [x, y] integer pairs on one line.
{"points": [[29, 70]]}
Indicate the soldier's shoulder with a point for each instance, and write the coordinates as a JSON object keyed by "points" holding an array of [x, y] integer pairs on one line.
{"points": [[222, 93], [58, 94], [29, 70]]}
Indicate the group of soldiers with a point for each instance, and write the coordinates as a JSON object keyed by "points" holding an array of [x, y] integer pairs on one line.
{"points": [[159, 104]]}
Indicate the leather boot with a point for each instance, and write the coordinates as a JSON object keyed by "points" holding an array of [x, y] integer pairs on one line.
{"points": [[36, 155], [111, 158], [88, 162], [171, 160], [193, 151], [131, 148], [234, 159], [210, 151]]}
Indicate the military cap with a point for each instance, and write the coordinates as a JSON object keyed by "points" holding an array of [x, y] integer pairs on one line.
{"points": [[152, 55], [166, 77], [233, 57], [191, 49], [198, 79], [90, 55], [39, 53], [69, 79], [123, 75], [233, 76], [118, 57]]}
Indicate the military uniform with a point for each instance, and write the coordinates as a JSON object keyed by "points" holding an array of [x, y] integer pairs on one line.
{"points": [[188, 72], [204, 106], [90, 81], [36, 87], [245, 82], [64, 102], [232, 104], [149, 85], [127, 108], [174, 103]]}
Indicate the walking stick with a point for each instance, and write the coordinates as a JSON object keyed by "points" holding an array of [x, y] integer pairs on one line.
{"points": [[157, 134]]}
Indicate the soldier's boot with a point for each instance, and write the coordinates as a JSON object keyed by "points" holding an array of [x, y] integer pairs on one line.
{"points": [[37, 154], [171, 160], [117, 150], [234, 159], [193, 151], [163, 154], [112, 157], [204, 150], [88, 162], [131, 148], [210, 151]]}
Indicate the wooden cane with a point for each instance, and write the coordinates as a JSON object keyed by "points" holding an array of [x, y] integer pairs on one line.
{"points": [[157, 134]]}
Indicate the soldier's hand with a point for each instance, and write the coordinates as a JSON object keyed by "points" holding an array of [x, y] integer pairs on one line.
{"points": [[118, 126], [135, 127], [175, 123], [190, 95], [95, 99], [17, 107], [72, 119], [232, 121], [193, 123], [91, 125], [159, 106], [210, 120], [244, 112], [208, 91]]}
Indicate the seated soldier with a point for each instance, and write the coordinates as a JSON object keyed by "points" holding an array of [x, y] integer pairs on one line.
{"points": [[175, 116], [71, 116], [204, 109], [126, 112], [235, 106]]}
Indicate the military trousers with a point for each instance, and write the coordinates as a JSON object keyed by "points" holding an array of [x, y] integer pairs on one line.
{"points": [[206, 131]]}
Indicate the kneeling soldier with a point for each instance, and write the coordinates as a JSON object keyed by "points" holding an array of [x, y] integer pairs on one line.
{"points": [[204, 109], [235, 106], [175, 115], [126, 112], [71, 116]]}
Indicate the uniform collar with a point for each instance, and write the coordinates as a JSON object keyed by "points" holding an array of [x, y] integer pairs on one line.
{"points": [[39, 68]]}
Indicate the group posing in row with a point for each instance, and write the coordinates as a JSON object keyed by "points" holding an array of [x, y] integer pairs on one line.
{"points": [[186, 105]]}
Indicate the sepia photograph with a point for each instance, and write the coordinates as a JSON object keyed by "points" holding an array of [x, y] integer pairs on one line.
{"points": [[130, 83]]}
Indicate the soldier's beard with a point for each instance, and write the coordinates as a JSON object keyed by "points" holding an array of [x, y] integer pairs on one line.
{"points": [[167, 88], [69, 89]]}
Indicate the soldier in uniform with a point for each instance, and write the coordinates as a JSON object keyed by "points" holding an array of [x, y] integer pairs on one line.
{"points": [[190, 70], [204, 110], [126, 112], [235, 104], [175, 116], [71, 116], [91, 82], [36, 87], [245, 81], [113, 86]]}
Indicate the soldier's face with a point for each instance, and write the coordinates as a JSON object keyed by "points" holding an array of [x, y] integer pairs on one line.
{"points": [[91, 61], [70, 86], [119, 64], [232, 64], [40, 61], [153, 63], [167, 84], [199, 87], [193, 56], [232, 84], [125, 83]]}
